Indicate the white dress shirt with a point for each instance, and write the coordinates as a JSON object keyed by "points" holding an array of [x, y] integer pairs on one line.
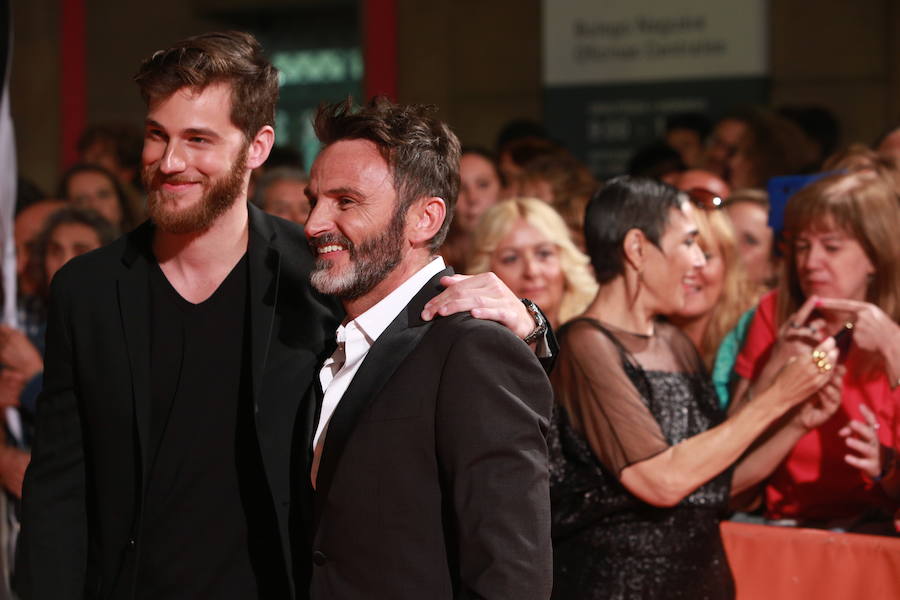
{"points": [[355, 338]]}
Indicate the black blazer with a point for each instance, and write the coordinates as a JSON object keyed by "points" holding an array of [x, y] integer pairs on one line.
{"points": [[434, 479], [83, 489]]}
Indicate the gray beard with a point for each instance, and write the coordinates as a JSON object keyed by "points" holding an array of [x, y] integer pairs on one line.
{"points": [[370, 262]]}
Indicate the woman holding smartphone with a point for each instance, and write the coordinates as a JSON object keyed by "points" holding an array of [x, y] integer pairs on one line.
{"points": [[842, 278]]}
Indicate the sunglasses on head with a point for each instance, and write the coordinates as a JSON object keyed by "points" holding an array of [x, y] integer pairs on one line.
{"points": [[705, 199]]}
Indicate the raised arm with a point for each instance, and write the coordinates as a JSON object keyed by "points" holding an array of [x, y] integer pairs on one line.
{"points": [[673, 474]]}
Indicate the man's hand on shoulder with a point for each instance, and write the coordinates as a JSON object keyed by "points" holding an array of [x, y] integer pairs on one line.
{"points": [[486, 297]]}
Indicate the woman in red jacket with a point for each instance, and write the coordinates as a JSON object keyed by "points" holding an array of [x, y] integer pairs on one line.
{"points": [[842, 273]]}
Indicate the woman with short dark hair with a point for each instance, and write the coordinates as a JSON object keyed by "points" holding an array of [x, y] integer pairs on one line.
{"points": [[642, 458]]}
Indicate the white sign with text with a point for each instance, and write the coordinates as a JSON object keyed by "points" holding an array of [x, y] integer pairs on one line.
{"points": [[617, 41]]}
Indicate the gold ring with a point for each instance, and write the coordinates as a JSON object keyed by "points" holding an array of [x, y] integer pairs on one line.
{"points": [[818, 355]]}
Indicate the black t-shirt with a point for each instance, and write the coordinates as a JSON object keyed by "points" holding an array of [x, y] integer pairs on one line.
{"points": [[208, 526]]}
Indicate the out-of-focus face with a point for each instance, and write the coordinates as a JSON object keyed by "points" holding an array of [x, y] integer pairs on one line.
{"points": [[754, 240], [671, 270], [104, 154], [94, 190], [66, 242], [831, 263], [699, 179], [528, 262], [703, 290], [28, 225], [286, 198], [741, 170], [722, 145], [688, 144], [479, 189]]}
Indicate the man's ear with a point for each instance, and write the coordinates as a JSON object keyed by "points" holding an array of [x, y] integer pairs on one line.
{"points": [[260, 146], [425, 219], [634, 248]]}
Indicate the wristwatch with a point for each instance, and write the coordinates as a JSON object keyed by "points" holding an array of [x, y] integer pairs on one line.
{"points": [[539, 321]]}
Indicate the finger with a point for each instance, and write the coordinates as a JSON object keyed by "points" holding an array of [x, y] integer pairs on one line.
{"points": [[864, 449], [845, 431], [807, 335], [840, 304], [862, 439], [450, 280], [451, 300], [818, 324], [452, 306], [495, 314], [868, 415], [864, 431], [800, 317], [862, 464]]}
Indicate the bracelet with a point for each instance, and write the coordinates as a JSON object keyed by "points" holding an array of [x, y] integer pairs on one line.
{"points": [[539, 321]]}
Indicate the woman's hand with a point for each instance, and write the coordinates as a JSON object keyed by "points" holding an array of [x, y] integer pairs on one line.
{"points": [[796, 337], [806, 373], [818, 409], [861, 438], [873, 330]]}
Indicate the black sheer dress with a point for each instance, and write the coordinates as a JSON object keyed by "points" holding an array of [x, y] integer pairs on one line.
{"points": [[623, 398]]}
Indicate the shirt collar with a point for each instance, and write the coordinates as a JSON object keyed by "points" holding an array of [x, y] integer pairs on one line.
{"points": [[374, 321]]}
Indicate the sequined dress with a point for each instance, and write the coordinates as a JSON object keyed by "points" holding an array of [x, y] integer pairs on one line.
{"points": [[623, 398]]}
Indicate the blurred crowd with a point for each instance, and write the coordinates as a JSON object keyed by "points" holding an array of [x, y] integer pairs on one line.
{"points": [[777, 275]]}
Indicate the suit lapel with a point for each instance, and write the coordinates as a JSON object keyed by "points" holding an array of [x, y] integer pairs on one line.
{"points": [[134, 306], [385, 355], [264, 262]]}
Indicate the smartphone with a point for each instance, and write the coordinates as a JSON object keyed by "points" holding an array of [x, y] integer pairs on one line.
{"points": [[842, 340]]}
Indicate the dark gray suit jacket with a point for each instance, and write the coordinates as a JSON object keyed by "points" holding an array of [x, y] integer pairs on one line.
{"points": [[433, 481]]}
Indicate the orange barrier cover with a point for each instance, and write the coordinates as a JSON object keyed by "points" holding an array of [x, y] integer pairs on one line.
{"points": [[775, 563]]}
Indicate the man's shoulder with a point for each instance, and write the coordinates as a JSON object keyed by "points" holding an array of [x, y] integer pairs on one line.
{"points": [[463, 332]]}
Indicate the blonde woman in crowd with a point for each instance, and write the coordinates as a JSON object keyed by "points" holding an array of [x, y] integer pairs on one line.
{"points": [[748, 210], [527, 244]]}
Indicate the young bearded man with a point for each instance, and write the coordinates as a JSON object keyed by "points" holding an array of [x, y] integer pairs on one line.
{"points": [[177, 358], [424, 473]]}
